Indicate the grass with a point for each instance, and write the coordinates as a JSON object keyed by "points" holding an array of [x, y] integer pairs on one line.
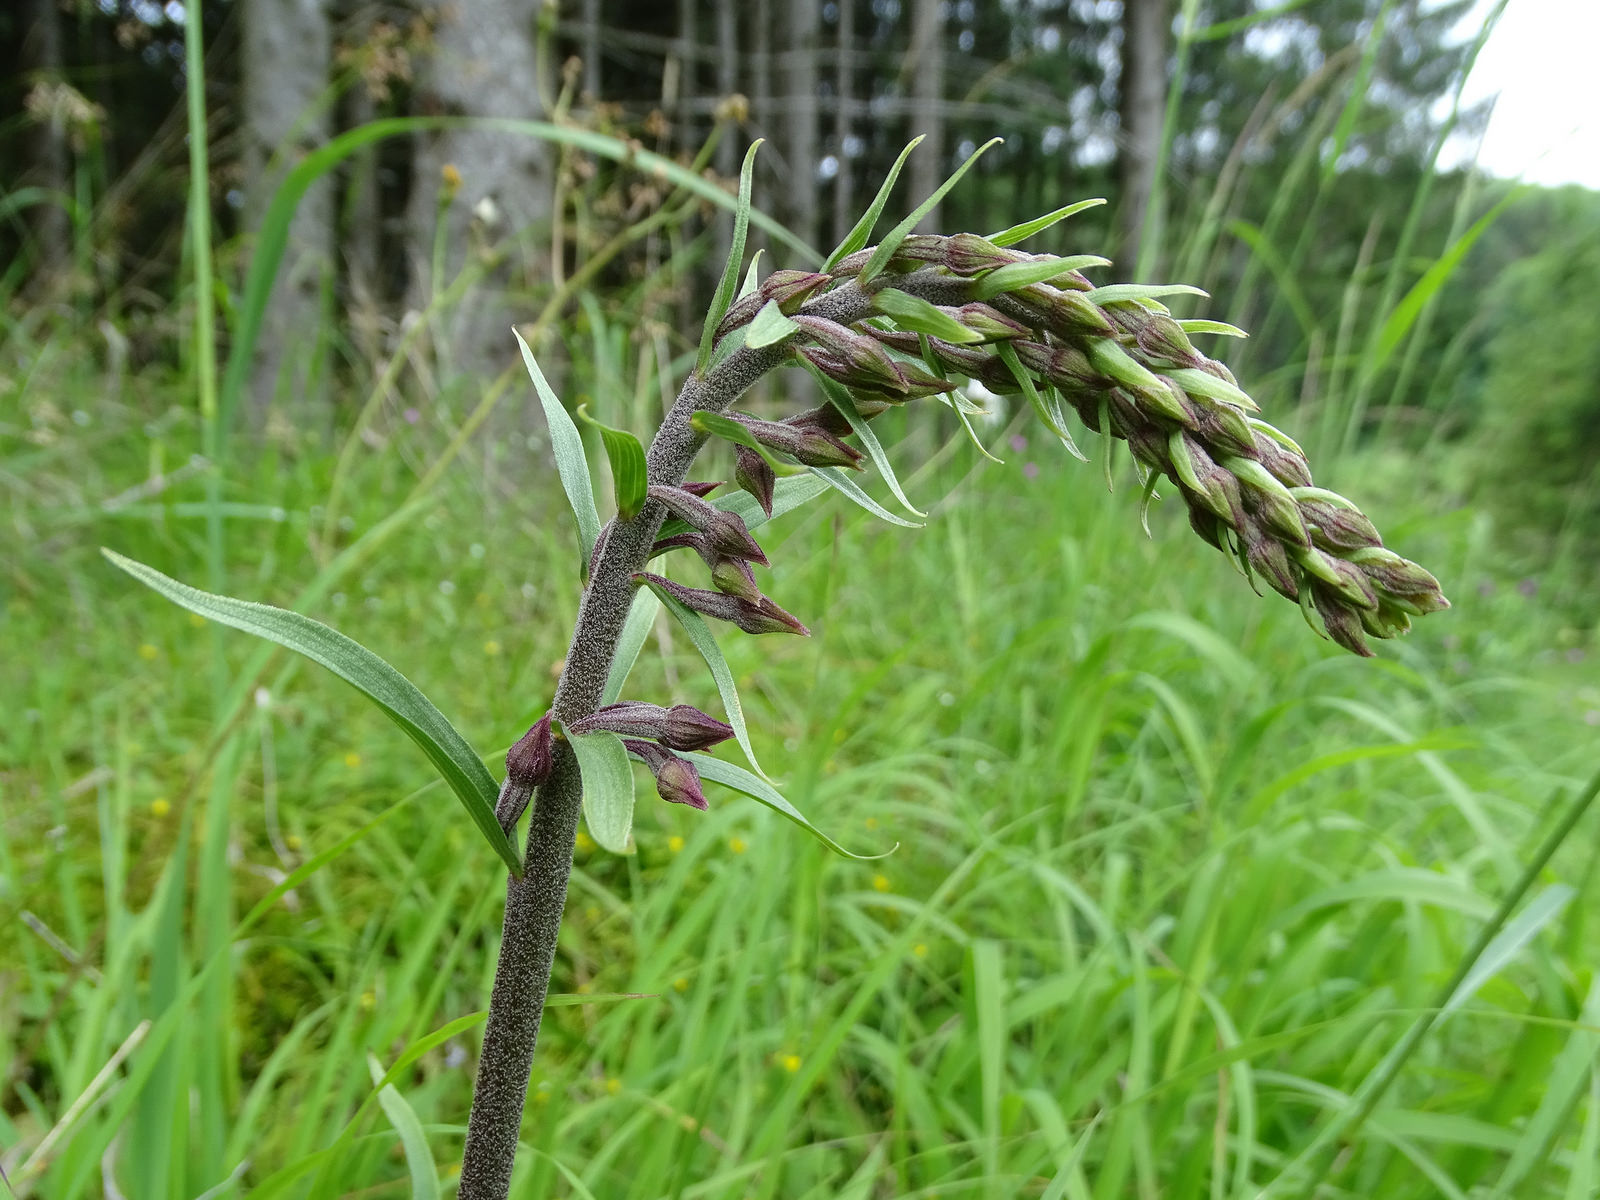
{"points": [[1173, 877]]}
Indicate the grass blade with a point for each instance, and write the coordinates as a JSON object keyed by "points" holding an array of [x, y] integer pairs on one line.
{"points": [[736, 777], [607, 788], [413, 1140], [391, 691], [730, 271], [571, 463], [886, 248], [627, 465], [835, 478], [861, 232]]}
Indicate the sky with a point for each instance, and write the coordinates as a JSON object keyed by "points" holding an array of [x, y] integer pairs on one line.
{"points": [[1541, 60]]}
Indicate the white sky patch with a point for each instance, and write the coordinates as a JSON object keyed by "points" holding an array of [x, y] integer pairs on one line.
{"points": [[1540, 59]]}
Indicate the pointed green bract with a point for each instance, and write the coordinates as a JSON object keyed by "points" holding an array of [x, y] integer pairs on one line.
{"points": [[769, 326], [723, 300], [886, 248], [919, 316], [752, 276], [1024, 231], [1020, 274], [1114, 292], [1199, 325], [835, 478], [839, 396], [725, 427], [699, 633], [740, 780], [607, 788], [627, 465], [571, 463], [1008, 355], [397, 696], [641, 617], [862, 231]]}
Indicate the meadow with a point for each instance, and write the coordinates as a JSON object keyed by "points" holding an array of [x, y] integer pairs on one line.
{"points": [[1173, 881]]}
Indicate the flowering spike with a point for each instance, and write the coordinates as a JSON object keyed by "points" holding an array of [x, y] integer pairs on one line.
{"points": [[681, 727]]}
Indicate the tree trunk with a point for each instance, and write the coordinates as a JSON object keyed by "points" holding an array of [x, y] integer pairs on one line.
{"points": [[286, 54], [844, 216], [925, 61], [1146, 27], [52, 160], [799, 89], [484, 63]]}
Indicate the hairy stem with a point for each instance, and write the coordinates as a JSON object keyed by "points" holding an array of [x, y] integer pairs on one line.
{"points": [[534, 903]]}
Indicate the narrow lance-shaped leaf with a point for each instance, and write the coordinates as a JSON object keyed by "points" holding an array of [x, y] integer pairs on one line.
{"points": [[1020, 274], [736, 777], [1024, 231], [413, 1138], [391, 691], [607, 788], [769, 326], [699, 633], [723, 298], [752, 276], [919, 316], [839, 396], [1114, 292], [956, 400], [886, 248], [635, 631], [627, 465], [1008, 355], [862, 230], [835, 478], [571, 463]]}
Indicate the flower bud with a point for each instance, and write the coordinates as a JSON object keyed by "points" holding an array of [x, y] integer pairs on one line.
{"points": [[829, 418], [790, 289], [681, 727], [989, 322], [1268, 498], [1066, 312], [1344, 624], [735, 578], [755, 475], [1159, 336], [967, 254], [1401, 578], [1335, 526], [1270, 560], [809, 444], [702, 488], [528, 764], [725, 531], [677, 782], [865, 362], [760, 616]]}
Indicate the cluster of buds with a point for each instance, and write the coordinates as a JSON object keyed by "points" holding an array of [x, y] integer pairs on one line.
{"points": [[1120, 359]]}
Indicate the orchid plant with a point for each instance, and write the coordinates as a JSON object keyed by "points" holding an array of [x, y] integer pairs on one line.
{"points": [[913, 316]]}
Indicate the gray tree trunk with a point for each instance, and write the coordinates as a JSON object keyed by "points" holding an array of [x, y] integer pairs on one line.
{"points": [[844, 215], [925, 61], [52, 160], [286, 55], [1146, 28], [799, 91], [484, 63]]}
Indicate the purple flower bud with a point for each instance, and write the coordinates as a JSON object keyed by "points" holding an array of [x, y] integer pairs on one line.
{"points": [[829, 418], [1334, 527], [1401, 578], [732, 577], [681, 727], [725, 530], [528, 765], [967, 254], [1344, 624], [755, 475], [813, 446], [761, 616], [1066, 312], [1270, 560], [790, 288], [702, 488], [864, 361], [990, 322], [677, 782], [1159, 336]]}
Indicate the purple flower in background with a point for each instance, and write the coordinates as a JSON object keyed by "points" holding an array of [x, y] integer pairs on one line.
{"points": [[1018, 442], [1030, 470], [412, 416]]}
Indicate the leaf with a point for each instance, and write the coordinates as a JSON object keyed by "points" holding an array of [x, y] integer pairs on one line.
{"points": [[1021, 274], [700, 634], [1204, 383], [635, 630], [723, 298], [571, 463], [862, 231], [1198, 325], [1024, 231], [787, 495], [628, 476], [769, 326], [752, 276], [886, 248], [740, 780], [1117, 292], [607, 787], [413, 1139], [839, 396], [1008, 355], [1508, 943], [391, 691], [918, 315], [838, 480]]}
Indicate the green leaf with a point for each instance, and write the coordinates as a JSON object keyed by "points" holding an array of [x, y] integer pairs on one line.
{"points": [[920, 316], [839, 396], [1197, 325], [835, 478], [1021, 274], [723, 299], [1051, 420], [635, 630], [1204, 383], [1024, 231], [571, 464], [752, 276], [769, 326], [627, 465], [607, 787], [862, 231], [886, 248], [700, 634], [1116, 292], [740, 780], [413, 1139], [391, 691]]}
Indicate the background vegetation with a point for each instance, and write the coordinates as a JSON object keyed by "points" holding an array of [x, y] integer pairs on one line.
{"points": [[1173, 879]]}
